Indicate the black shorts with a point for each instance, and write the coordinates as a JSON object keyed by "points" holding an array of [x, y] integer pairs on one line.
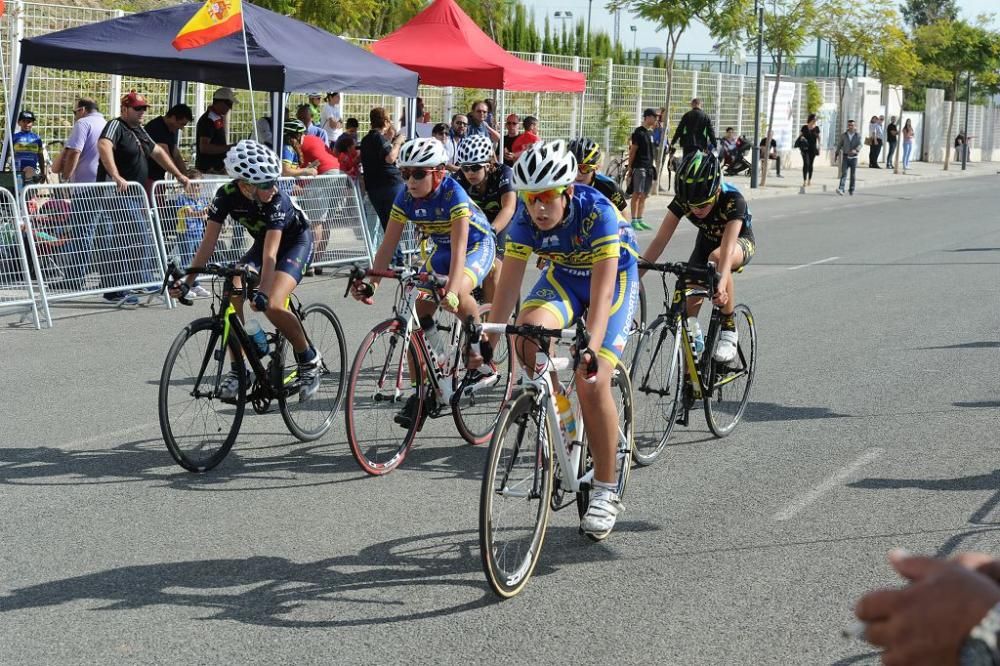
{"points": [[704, 246], [293, 257]]}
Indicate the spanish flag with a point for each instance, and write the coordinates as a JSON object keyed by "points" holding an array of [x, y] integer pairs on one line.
{"points": [[215, 20]]}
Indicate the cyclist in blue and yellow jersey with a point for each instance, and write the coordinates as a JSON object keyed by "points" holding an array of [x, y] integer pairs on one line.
{"points": [[589, 157], [465, 246], [489, 185], [725, 235], [591, 254], [29, 152], [281, 250]]}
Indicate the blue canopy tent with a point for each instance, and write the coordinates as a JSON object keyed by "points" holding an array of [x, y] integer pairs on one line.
{"points": [[286, 56]]}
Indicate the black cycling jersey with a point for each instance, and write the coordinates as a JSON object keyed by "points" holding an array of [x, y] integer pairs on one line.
{"points": [[730, 206], [258, 218], [497, 183], [610, 189]]}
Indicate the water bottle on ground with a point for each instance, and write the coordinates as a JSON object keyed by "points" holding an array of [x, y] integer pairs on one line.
{"points": [[697, 338], [257, 334]]}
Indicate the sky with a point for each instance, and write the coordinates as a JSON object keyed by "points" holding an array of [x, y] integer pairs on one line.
{"points": [[695, 40]]}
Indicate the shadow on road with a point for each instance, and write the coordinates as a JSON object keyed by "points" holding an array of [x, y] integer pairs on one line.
{"points": [[987, 344], [989, 481], [979, 404], [762, 412], [975, 249]]}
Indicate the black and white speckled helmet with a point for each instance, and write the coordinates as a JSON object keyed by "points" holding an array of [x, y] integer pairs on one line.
{"points": [[253, 162]]}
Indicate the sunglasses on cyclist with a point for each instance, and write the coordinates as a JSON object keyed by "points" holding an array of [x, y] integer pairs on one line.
{"points": [[417, 173], [545, 196], [264, 187], [587, 168], [473, 168]]}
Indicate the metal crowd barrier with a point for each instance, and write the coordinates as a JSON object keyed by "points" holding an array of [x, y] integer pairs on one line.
{"points": [[88, 239], [181, 211], [16, 273]]}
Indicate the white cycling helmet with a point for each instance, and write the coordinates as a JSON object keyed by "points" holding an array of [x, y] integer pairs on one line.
{"points": [[427, 153], [544, 166], [476, 149], [253, 162]]}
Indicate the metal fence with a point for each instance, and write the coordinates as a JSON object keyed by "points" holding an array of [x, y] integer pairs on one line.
{"points": [[16, 273]]}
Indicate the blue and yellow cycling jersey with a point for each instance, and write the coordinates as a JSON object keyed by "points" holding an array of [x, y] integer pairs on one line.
{"points": [[594, 230], [28, 150], [435, 215]]}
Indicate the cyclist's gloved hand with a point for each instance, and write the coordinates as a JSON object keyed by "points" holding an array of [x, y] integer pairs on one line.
{"points": [[259, 301], [588, 365], [179, 291], [363, 291]]}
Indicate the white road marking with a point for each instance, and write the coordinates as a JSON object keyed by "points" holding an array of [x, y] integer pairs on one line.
{"points": [[829, 484], [813, 263]]}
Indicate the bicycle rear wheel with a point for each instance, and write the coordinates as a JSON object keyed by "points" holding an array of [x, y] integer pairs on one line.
{"points": [[311, 419], [379, 386], [621, 390], [729, 383], [515, 495], [477, 400], [657, 375], [198, 428]]}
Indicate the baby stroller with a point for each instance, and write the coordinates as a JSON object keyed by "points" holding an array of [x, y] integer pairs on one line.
{"points": [[735, 161]]}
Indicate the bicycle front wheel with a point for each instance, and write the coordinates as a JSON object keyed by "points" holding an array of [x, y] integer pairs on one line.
{"points": [[199, 428], [657, 376], [636, 329], [515, 495], [385, 374], [728, 388], [478, 399], [311, 419]]}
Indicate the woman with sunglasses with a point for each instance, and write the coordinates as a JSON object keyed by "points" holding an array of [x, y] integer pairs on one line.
{"points": [[281, 250], [464, 245], [725, 235], [589, 158], [489, 186], [592, 253]]}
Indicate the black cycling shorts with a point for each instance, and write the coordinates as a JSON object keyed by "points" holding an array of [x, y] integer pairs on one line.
{"points": [[704, 246], [293, 257]]}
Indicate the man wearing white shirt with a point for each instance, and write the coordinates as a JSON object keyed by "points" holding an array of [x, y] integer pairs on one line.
{"points": [[331, 119]]}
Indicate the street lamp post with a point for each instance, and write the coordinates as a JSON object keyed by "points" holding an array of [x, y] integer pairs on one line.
{"points": [[755, 149], [590, 9], [562, 17], [968, 101], [635, 31]]}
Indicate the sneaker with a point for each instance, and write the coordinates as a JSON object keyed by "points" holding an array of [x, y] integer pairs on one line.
{"points": [[725, 351], [840, 191], [318, 270], [602, 513], [199, 291], [121, 298], [230, 387], [802, 190], [310, 374], [404, 417], [851, 193]]}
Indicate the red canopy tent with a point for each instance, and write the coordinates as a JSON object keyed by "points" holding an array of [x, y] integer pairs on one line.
{"points": [[446, 48]]}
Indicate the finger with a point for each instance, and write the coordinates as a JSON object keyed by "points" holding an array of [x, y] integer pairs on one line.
{"points": [[877, 605], [880, 634], [914, 567]]}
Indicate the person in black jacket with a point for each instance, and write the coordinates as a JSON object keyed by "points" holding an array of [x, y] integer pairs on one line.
{"points": [[694, 131]]}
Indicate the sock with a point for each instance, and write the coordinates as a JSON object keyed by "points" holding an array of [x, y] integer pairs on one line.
{"points": [[728, 322], [306, 356], [601, 485]]}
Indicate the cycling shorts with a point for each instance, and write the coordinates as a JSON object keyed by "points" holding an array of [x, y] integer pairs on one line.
{"points": [[567, 296], [478, 260], [293, 257], [704, 246]]}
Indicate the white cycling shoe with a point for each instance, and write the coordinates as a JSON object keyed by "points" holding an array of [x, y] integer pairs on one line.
{"points": [[725, 351], [605, 505]]}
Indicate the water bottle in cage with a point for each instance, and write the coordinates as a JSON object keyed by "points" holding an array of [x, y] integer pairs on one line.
{"points": [[259, 337]]}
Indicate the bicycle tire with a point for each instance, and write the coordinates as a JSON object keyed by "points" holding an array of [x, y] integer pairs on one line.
{"points": [[723, 415], [310, 420], [213, 354], [623, 453], [476, 414], [508, 565], [657, 376], [374, 455]]}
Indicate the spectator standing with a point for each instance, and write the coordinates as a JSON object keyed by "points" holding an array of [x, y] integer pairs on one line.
{"points": [[491, 116], [125, 149], [960, 143], [28, 150], [808, 145], [305, 115], [457, 132], [317, 195], [212, 139], [351, 126], [163, 130], [891, 139], [511, 133], [440, 132], [641, 172], [848, 147], [907, 143], [528, 137], [694, 131], [315, 101], [330, 117], [479, 124], [875, 139], [379, 150]]}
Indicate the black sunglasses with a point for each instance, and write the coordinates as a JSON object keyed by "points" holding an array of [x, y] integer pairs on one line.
{"points": [[417, 173], [267, 185], [473, 168]]}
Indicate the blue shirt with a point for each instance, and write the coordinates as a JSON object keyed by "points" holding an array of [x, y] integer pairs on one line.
{"points": [[435, 215], [594, 230], [28, 150]]}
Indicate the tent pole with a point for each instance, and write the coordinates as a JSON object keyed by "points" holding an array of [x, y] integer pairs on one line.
{"points": [[253, 106], [500, 98], [13, 106]]}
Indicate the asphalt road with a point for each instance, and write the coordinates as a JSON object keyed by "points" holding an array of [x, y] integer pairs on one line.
{"points": [[874, 423]]}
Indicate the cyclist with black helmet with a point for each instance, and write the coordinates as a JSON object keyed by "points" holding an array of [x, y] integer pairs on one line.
{"points": [[282, 247], [488, 184], [725, 234], [589, 158], [591, 252]]}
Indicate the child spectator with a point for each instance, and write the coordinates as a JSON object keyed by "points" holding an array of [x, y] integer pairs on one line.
{"points": [[29, 151], [346, 152], [192, 211]]}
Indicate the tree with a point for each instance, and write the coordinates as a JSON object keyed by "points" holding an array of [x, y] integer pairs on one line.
{"points": [[895, 62], [547, 39], [925, 12]]}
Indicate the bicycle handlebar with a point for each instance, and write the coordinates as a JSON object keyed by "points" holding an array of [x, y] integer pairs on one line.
{"points": [[358, 274], [580, 335], [249, 275], [681, 269]]}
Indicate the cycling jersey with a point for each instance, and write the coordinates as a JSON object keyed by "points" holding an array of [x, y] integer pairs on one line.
{"points": [[435, 214], [258, 218], [497, 184], [28, 150], [730, 206], [593, 230], [610, 189]]}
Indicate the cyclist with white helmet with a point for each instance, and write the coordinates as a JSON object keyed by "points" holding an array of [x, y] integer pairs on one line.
{"points": [[464, 243], [589, 157], [281, 250], [591, 255], [725, 235], [489, 185]]}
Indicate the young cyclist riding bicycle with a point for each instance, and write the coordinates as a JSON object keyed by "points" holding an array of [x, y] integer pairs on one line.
{"points": [[488, 184], [725, 235], [589, 157], [282, 247], [464, 243], [591, 252]]}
